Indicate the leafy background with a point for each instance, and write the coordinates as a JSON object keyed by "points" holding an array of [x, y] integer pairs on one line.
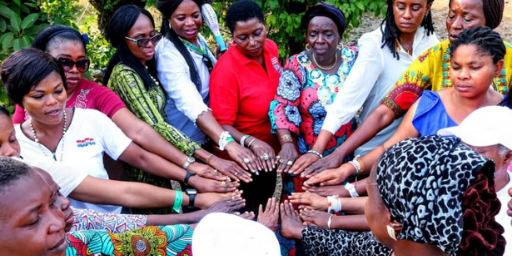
{"points": [[21, 20]]}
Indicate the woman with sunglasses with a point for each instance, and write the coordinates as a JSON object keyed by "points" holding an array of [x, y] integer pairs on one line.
{"points": [[184, 63], [68, 46]]}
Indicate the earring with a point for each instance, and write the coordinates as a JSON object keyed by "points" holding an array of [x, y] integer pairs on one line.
{"points": [[391, 232], [170, 26]]}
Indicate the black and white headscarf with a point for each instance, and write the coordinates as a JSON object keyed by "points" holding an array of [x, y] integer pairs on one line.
{"points": [[422, 182]]}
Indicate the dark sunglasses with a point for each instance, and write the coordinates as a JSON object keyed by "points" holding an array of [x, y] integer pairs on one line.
{"points": [[81, 65], [143, 42]]}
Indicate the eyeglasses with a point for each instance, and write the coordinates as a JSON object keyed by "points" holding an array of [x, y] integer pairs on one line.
{"points": [[68, 64], [144, 41]]}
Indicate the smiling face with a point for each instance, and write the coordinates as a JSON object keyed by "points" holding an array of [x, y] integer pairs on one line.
{"points": [[472, 71], [31, 222], [142, 28], [9, 145], [186, 20], [409, 14], [464, 14], [45, 102], [249, 37], [73, 50], [322, 36]]}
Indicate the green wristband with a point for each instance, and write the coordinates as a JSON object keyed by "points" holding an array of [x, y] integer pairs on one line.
{"points": [[178, 199]]}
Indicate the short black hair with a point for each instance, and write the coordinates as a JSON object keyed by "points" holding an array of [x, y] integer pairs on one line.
{"points": [[54, 35], [243, 10], [11, 170], [24, 69], [485, 39], [4, 111]]}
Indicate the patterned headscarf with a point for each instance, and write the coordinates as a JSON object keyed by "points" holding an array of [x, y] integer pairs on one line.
{"points": [[423, 181]]}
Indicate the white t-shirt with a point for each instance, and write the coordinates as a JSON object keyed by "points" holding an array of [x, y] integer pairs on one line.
{"points": [[502, 217], [372, 77], [65, 175], [89, 135]]}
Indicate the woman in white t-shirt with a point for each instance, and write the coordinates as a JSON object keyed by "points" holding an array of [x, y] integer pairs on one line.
{"points": [[76, 136]]}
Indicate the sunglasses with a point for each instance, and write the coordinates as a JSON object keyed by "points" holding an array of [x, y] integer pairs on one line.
{"points": [[143, 42], [68, 64]]}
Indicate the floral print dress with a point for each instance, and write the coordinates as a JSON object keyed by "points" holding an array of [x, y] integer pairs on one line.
{"points": [[299, 105]]}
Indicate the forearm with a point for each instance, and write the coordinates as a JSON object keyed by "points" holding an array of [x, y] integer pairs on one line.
{"points": [[379, 119], [350, 222], [151, 163], [322, 140], [353, 206], [171, 219], [207, 123]]}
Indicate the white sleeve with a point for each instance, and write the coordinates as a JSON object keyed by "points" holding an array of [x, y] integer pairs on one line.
{"points": [[113, 139], [358, 85], [65, 175], [174, 75]]}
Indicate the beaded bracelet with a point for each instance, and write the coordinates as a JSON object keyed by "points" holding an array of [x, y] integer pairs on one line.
{"points": [[178, 199], [285, 139], [316, 153]]}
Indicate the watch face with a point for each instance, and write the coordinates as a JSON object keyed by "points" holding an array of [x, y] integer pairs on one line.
{"points": [[191, 191]]}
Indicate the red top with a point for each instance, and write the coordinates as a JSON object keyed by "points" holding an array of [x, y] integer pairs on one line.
{"points": [[89, 95], [241, 91]]}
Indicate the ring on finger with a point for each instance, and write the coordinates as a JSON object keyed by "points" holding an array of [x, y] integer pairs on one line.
{"points": [[281, 160], [247, 160], [223, 183], [289, 163], [265, 157]]}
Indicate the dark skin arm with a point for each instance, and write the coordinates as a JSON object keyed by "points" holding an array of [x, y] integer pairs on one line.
{"points": [[379, 119], [288, 151]]}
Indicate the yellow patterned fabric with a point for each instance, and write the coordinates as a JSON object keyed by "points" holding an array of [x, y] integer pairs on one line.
{"points": [[431, 71]]}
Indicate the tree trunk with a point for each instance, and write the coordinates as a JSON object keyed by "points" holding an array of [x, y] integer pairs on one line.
{"points": [[106, 9]]}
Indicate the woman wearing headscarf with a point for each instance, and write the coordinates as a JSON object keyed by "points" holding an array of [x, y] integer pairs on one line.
{"points": [[184, 63], [431, 195], [384, 54], [430, 71], [242, 85], [309, 82]]}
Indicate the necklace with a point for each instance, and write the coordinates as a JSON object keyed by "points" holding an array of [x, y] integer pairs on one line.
{"points": [[154, 80], [408, 50], [63, 137], [326, 68]]}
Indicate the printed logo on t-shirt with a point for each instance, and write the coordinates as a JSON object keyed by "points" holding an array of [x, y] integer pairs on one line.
{"points": [[275, 63], [85, 142]]}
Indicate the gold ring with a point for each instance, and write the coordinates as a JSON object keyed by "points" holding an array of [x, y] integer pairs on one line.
{"points": [[281, 160]]}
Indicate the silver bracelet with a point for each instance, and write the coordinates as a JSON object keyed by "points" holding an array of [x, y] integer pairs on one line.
{"points": [[316, 153], [242, 140], [329, 221]]}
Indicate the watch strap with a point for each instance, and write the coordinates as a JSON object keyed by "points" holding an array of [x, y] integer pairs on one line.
{"points": [[187, 176]]}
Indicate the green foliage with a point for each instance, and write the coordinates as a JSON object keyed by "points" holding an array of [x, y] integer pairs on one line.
{"points": [[283, 18], [63, 12], [18, 25]]}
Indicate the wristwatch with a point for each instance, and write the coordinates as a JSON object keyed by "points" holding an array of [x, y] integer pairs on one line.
{"points": [[187, 177], [191, 192], [189, 161], [351, 189]]}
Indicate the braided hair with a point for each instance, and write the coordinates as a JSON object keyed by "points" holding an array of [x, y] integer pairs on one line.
{"points": [[167, 8], [120, 23], [493, 12], [482, 235], [391, 35], [485, 39]]}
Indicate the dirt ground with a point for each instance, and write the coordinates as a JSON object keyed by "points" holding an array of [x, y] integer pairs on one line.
{"points": [[439, 10]]}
